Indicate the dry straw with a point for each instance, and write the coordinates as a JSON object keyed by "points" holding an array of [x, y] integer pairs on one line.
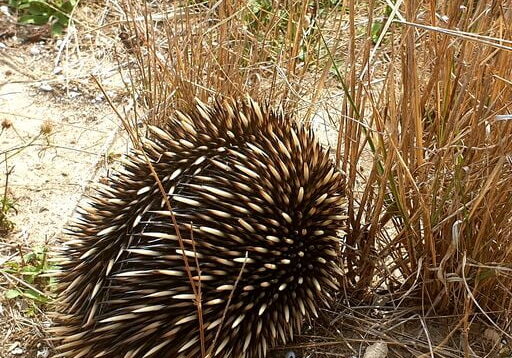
{"points": [[424, 135]]}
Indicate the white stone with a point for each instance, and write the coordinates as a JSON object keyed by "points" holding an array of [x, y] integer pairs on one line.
{"points": [[35, 50], [376, 350], [45, 87]]}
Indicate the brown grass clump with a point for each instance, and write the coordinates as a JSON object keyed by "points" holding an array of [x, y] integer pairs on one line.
{"points": [[433, 225], [444, 142], [424, 134], [230, 48]]}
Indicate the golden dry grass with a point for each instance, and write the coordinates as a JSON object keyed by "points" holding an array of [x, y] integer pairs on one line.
{"points": [[424, 136]]}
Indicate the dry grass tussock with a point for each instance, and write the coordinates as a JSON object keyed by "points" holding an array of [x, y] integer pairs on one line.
{"points": [[424, 134]]}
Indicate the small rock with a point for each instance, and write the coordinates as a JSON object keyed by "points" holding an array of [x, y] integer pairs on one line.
{"points": [[15, 349], [35, 50], [376, 350], [57, 70], [5, 10], [73, 94], [45, 87], [98, 98]]}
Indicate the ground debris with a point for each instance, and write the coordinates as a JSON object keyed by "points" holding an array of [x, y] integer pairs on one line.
{"points": [[376, 350]]}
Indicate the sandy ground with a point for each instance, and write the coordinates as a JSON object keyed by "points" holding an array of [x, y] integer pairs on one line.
{"points": [[57, 141], [58, 135]]}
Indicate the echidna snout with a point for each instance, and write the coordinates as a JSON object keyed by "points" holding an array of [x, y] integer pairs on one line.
{"points": [[259, 206]]}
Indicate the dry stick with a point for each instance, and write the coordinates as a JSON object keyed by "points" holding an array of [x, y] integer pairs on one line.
{"points": [[488, 184], [486, 40], [19, 149], [9, 61], [427, 334], [228, 304], [176, 227], [7, 173], [320, 84], [9, 277], [20, 252], [468, 289], [198, 298], [447, 338], [394, 12], [45, 147], [111, 104]]}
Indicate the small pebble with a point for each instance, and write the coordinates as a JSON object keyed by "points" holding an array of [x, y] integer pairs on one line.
{"points": [[45, 87], [17, 351], [5, 10], [73, 94], [376, 350], [98, 98], [35, 50]]}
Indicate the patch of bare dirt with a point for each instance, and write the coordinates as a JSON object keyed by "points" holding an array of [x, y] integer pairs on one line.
{"points": [[58, 135]]}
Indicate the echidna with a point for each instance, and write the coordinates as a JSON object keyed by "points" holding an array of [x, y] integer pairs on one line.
{"points": [[259, 206]]}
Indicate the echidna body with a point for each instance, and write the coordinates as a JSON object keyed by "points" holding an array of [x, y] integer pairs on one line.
{"points": [[259, 207]]}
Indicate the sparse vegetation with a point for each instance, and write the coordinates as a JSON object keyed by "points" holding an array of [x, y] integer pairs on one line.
{"points": [[7, 204], [27, 275], [41, 12]]}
